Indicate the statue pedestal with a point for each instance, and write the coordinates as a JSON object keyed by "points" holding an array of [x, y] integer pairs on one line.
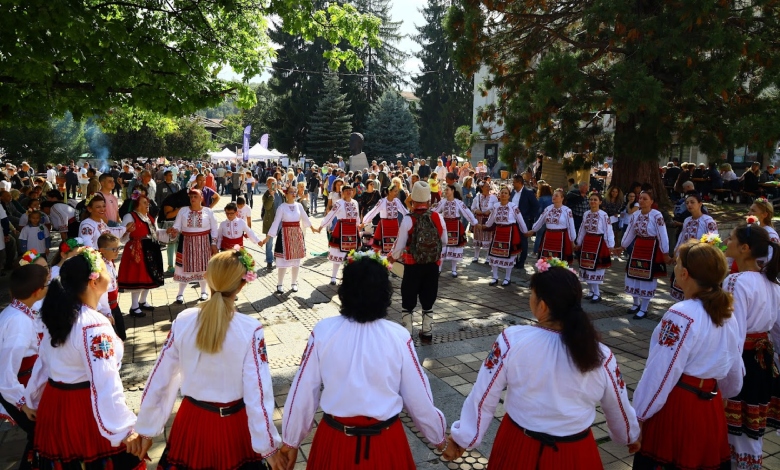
{"points": [[358, 162]]}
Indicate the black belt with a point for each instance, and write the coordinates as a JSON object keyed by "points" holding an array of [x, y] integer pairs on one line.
{"points": [[699, 392], [64, 386], [359, 431], [548, 440], [222, 411], [24, 373]]}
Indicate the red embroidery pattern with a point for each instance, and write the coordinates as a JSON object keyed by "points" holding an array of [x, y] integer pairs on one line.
{"points": [[449, 209], [350, 210], [258, 332], [669, 334], [18, 305], [659, 221], [554, 216], [732, 281], [261, 350], [640, 225], [591, 222], [617, 392], [86, 230], [619, 377], [747, 461], [493, 357], [102, 346], [391, 210], [195, 219]]}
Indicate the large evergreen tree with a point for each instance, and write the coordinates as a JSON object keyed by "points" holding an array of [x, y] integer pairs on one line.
{"points": [[330, 123], [446, 94], [391, 128]]}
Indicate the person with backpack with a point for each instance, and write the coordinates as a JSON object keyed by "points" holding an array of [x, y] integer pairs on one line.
{"points": [[421, 237]]}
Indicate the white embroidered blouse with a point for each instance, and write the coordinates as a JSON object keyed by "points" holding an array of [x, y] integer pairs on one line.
{"points": [[506, 214], [386, 210], [90, 230], [342, 210], [647, 226], [455, 209], [289, 213], [597, 222], [696, 228], [554, 218], [19, 326], [235, 228], [189, 221]]}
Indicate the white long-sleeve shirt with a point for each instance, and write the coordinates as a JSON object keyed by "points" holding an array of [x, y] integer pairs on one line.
{"points": [[341, 210], [403, 234], [686, 341], [91, 352], [60, 214], [239, 371], [455, 209], [18, 339], [360, 379], [483, 203], [90, 230], [597, 222], [545, 392], [189, 221], [235, 228], [554, 218], [696, 228], [289, 213], [508, 214], [386, 210], [647, 225]]}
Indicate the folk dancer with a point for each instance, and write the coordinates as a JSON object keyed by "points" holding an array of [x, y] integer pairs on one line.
{"points": [[595, 240], [108, 247], [694, 227], [290, 249], [345, 235], [481, 208], [360, 430], [386, 231], [679, 398], [217, 358], [233, 230], [507, 234], [93, 227], [75, 393], [756, 294], [559, 234], [648, 259], [547, 424], [197, 230], [765, 211], [453, 209]]}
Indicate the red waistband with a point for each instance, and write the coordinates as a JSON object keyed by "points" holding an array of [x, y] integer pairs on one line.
{"points": [[196, 234], [229, 243], [753, 339], [702, 384], [113, 295], [291, 224]]}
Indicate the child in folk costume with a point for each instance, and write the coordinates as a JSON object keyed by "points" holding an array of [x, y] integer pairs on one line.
{"points": [[482, 208], [361, 429], [197, 230], [507, 234], [35, 235], [345, 235], [559, 233], [93, 227], [142, 266], [68, 249], [547, 424], [233, 230], [386, 231], [19, 343], [453, 210], [756, 295], [217, 358], [108, 246], [693, 348], [648, 258], [75, 392], [290, 247], [596, 240], [694, 227]]}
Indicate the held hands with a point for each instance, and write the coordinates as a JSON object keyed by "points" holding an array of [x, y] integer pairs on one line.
{"points": [[31, 413], [314, 230], [172, 232], [214, 249], [290, 454], [451, 450], [130, 227]]}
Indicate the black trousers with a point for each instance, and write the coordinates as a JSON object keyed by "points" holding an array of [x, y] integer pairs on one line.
{"points": [[419, 281], [119, 323], [27, 426], [70, 189]]}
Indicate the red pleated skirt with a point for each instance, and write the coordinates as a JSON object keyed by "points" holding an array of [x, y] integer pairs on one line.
{"points": [[557, 244], [688, 432], [66, 432], [334, 450], [513, 449], [201, 439]]}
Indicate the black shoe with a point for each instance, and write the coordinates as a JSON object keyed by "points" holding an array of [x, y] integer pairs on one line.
{"points": [[640, 315], [506, 282], [493, 282], [425, 338], [146, 306], [138, 313], [632, 310], [596, 299], [270, 266], [588, 297]]}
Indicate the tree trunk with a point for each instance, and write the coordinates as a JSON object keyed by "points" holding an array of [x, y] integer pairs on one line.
{"points": [[636, 160]]}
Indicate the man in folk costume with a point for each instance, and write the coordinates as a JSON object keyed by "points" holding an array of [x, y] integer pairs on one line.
{"points": [[197, 230], [595, 239], [421, 236]]}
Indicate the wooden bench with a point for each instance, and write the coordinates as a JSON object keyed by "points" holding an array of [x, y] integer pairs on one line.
{"points": [[722, 194], [745, 196]]}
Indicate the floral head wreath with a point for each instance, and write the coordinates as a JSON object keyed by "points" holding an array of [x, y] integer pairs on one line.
{"points": [[249, 263], [137, 195], [71, 244], [714, 240], [353, 256], [750, 220], [93, 258], [546, 263], [89, 199], [761, 199], [29, 257]]}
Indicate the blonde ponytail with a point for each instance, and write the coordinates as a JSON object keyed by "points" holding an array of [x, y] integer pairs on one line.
{"points": [[224, 276]]}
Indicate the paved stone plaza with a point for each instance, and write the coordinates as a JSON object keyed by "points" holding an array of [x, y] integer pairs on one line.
{"points": [[469, 314]]}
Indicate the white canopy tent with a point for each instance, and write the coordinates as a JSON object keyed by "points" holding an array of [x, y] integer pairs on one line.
{"points": [[224, 155], [259, 152], [278, 154]]}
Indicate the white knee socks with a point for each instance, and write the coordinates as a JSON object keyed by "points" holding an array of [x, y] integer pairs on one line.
{"points": [[182, 286], [335, 271], [144, 295], [294, 272], [203, 287], [476, 252], [594, 289], [406, 320], [508, 274], [454, 266], [495, 272], [645, 304], [134, 299]]}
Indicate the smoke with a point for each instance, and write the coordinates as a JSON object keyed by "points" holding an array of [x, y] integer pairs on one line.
{"points": [[99, 144]]}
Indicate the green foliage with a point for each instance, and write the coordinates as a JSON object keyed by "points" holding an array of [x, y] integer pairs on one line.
{"points": [[464, 139], [48, 140], [391, 128], [330, 124], [190, 140], [89, 56], [446, 94], [133, 143]]}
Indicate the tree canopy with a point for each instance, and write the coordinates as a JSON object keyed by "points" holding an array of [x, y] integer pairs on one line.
{"points": [[330, 123], [391, 128]]}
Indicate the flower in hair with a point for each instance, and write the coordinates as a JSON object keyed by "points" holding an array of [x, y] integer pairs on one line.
{"points": [[354, 255], [136, 195], [714, 240], [546, 263], [89, 199], [751, 219], [761, 199], [71, 244], [29, 257], [93, 257], [249, 263]]}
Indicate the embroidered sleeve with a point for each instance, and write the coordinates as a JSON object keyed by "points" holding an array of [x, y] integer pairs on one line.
{"points": [[374, 211], [161, 389], [418, 398], [478, 409], [712, 226], [670, 346], [629, 235], [663, 236], [119, 232], [609, 234], [330, 216], [465, 212], [400, 206], [259, 397], [491, 219], [542, 219], [97, 344], [304, 397], [14, 344], [87, 233], [403, 236], [621, 419], [570, 223]]}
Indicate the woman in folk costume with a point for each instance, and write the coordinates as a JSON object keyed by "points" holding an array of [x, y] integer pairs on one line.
{"points": [[75, 393], [345, 235], [92, 227], [197, 230], [386, 231], [361, 388], [756, 295], [693, 348], [217, 358], [482, 208], [765, 211], [596, 240], [453, 210], [648, 258], [694, 227], [289, 247], [547, 424], [141, 268], [559, 233], [507, 234]]}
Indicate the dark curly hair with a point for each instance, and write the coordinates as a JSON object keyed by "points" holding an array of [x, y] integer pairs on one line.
{"points": [[366, 291]]}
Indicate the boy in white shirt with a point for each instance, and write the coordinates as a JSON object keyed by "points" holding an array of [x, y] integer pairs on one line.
{"points": [[35, 235], [233, 230], [244, 211]]}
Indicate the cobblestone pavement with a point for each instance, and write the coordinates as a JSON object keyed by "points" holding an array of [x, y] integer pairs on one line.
{"points": [[469, 314]]}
